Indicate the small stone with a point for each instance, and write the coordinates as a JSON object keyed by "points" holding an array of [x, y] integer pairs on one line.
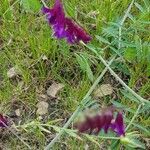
{"points": [[42, 108], [103, 90], [54, 89]]}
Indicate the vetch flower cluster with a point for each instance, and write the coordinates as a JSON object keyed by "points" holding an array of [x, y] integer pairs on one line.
{"points": [[105, 120], [63, 26]]}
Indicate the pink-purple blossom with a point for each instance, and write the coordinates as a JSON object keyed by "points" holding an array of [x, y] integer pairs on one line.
{"points": [[105, 120], [3, 121], [63, 26]]}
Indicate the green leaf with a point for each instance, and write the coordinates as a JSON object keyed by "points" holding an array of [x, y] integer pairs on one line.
{"points": [[92, 139], [92, 48], [31, 5], [130, 54], [83, 62], [129, 96], [115, 144], [132, 142], [119, 105], [89, 72], [122, 67], [45, 130], [116, 51], [72, 133], [139, 6], [103, 40], [139, 126]]}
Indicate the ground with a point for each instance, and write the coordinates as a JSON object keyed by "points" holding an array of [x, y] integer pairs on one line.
{"points": [[32, 60]]}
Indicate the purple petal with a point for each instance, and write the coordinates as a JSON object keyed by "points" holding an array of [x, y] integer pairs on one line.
{"points": [[75, 33], [59, 31], [118, 125], [45, 10], [100, 121], [3, 121], [108, 116], [84, 126]]}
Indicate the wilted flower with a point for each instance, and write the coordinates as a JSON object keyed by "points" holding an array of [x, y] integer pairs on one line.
{"points": [[64, 27], [106, 120], [3, 121]]}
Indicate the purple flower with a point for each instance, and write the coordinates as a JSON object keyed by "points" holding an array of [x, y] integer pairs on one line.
{"points": [[105, 121], [3, 121], [64, 27]]}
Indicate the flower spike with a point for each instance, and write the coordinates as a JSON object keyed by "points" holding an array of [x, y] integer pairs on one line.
{"points": [[63, 26], [106, 120]]}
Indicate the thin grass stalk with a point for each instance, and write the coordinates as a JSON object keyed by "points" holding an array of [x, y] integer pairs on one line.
{"points": [[133, 118]]}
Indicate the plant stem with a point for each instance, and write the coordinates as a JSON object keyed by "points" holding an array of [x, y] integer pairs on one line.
{"points": [[103, 137], [122, 22], [79, 107], [133, 118]]}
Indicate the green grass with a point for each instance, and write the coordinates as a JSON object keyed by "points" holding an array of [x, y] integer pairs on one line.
{"points": [[25, 37]]}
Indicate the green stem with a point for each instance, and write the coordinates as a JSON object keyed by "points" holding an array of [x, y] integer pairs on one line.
{"points": [[122, 22], [79, 107], [133, 118], [102, 137]]}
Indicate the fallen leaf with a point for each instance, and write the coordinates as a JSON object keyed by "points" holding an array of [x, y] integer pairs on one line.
{"points": [[54, 89], [103, 90], [42, 108]]}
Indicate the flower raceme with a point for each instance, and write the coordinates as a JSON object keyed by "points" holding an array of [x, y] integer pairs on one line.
{"points": [[63, 26], [3, 121], [105, 120]]}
